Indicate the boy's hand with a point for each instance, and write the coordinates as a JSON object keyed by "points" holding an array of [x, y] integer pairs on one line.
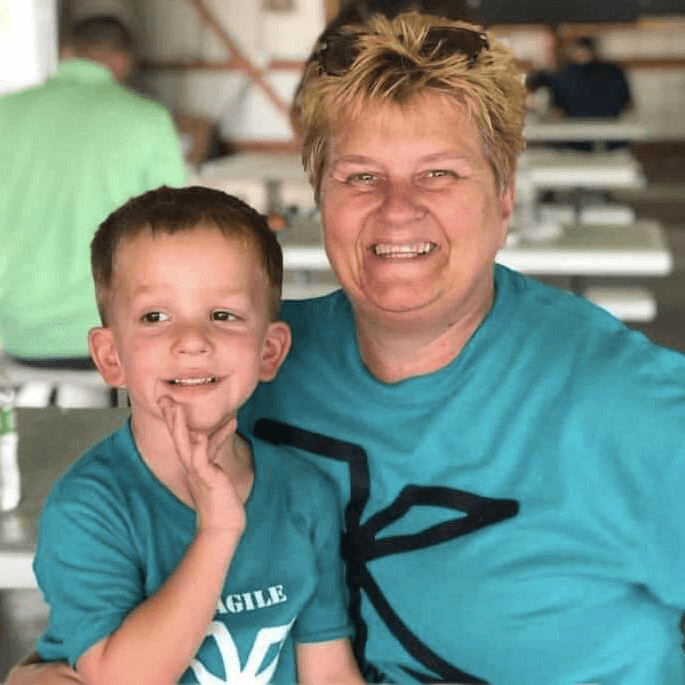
{"points": [[214, 495]]}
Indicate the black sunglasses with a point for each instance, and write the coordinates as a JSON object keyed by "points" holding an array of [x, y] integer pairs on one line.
{"points": [[338, 52]]}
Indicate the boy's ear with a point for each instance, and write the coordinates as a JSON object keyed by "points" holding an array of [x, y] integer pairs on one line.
{"points": [[104, 354], [275, 349]]}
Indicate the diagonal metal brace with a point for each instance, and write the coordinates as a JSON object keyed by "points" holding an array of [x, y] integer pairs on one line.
{"points": [[255, 74]]}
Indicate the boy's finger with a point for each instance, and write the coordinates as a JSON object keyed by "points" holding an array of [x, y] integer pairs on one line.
{"points": [[219, 437], [166, 405], [198, 454], [183, 441], [177, 424]]}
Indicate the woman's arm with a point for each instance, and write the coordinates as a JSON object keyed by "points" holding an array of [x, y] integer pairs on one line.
{"points": [[327, 663], [31, 671]]}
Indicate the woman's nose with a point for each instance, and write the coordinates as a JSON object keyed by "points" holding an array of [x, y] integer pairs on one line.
{"points": [[400, 202]]}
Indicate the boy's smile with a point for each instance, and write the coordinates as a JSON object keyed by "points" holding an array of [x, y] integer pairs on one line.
{"points": [[189, 320], [188, 382], [192, 386]]}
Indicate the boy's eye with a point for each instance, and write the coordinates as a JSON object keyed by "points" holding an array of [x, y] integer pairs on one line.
{"points": [[222, 315], [154, 317]]}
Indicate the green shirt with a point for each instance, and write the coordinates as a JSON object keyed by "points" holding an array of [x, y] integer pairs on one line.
{"points": [[71, 151]]}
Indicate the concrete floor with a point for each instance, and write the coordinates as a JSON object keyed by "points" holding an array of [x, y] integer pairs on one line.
{"points": [[22, 612]]}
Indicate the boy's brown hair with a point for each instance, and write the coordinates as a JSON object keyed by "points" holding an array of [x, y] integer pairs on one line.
{"points": [[171, 210]]}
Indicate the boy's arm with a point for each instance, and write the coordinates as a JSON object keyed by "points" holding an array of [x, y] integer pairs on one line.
{"points": [[159, 638], [327, 663]]}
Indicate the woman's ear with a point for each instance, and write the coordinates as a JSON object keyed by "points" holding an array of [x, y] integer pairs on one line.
{"points": [[275, 348], [507, 202], [104, 354]]}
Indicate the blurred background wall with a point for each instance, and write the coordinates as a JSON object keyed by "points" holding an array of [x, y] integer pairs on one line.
{"points": [[276, 35], [191, 52]]}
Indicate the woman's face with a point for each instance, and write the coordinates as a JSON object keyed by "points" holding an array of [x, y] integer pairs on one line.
{"points": [[412, 216]]}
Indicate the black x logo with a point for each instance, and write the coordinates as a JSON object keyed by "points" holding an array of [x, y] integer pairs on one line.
{"points": [[361, 542]]}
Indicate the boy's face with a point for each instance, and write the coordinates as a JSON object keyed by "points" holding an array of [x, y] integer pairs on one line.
{"points": [[189, 319]]}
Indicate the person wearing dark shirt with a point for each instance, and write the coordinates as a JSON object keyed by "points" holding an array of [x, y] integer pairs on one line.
{"points": [[586, 86]]}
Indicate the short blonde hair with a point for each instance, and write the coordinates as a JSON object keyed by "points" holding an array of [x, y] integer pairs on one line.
{"points": [[391, 66]]}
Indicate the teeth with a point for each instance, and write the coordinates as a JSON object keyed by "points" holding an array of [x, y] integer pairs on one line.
{"points": [[194, 381], [403, 251]]}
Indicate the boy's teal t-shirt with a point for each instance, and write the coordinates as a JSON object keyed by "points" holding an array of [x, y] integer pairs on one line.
{"points": [[514, 517], [111, 534]]}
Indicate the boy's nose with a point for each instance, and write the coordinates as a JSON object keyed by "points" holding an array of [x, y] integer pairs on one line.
{"points": [[192, 339]]}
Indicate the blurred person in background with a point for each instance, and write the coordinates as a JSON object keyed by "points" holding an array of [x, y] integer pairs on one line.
{"points": [[585, 86], [72, 150]]}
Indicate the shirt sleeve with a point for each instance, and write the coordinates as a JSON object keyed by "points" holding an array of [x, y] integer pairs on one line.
{"points": [[665, 535], [86, 569], [325, 616], [653, 453], [167, 166]]}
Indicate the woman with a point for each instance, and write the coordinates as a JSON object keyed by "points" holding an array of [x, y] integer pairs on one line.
{"points": [[509, 456]]}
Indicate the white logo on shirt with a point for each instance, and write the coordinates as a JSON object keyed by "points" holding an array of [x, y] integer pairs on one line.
{"points": [[255, 671]]}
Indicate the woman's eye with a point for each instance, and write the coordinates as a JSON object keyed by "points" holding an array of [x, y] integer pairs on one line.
{"points": [[222, 315], [361, 177], [154, 317], [440, 173]]}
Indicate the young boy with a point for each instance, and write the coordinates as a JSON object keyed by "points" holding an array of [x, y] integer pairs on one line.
{"points": [[176, 550]]}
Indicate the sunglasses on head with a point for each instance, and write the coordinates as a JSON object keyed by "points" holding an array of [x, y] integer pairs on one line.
{"points": [[339, 51]]}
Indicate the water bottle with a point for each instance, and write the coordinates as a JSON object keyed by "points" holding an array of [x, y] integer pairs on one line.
{"points": [[10, 476]]}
